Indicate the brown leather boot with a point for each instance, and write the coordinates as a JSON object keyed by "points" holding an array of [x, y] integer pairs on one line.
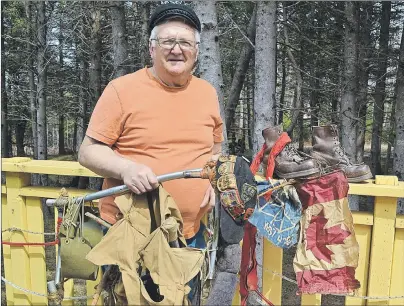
{"points": [[290, 163], [328, 152]]}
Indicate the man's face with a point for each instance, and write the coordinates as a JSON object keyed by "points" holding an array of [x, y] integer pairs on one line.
{"points": [[177, 60]]}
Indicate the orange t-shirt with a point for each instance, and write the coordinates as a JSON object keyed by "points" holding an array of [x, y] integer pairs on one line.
{"points": [[167, 129]]}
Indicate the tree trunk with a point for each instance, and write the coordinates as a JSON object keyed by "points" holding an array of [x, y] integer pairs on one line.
{"points": [[250, 112], [82, 74], [74, 140], [95, 70], [283, 87], [5, 144], [348, 105], [265, 70], [379, 95], [83, 96], [119, 38], [398, 156], [338, 66], [19, 137], [314, 99], [241, 70], [363, 77], [144, 39], [31, 81], [95, 54], [42, 84], [61, 143], [390, 137], [209, 54], [295, 114]]}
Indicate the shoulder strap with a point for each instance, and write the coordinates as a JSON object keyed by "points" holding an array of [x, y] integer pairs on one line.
{"points": [[153, 223]]}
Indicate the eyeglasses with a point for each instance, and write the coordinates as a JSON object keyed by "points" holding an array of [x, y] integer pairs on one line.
{"points": [[169, 43]]}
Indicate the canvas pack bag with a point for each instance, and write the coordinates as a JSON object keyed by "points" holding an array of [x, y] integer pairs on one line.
{"points": [[78, 235], [152, 272]]}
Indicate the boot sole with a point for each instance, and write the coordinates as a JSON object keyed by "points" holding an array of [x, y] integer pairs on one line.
{"points": [[298, 174], [361, 178], [357, 179]]}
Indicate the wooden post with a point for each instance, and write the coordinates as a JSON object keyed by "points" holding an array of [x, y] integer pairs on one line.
{"points": [[68, 286], [17, 214], [363, 234], [397, 275], [37, 257], [311, 299], [8, 268], [271, 283], [381, 255], [236, 298], [91, 285]]}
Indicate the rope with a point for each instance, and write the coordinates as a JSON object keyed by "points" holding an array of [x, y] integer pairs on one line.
{"points": [[44, 295], [363, 297], [265, 269], [15, 229], [31, 243]]}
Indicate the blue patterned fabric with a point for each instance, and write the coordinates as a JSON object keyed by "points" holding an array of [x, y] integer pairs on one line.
{"points": [[277, 219]]}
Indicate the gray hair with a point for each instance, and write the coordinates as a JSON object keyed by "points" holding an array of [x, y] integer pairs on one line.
{"points": [[153, 34]]}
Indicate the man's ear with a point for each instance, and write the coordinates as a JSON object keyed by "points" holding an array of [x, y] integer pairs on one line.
{"points": [[151, 49]]}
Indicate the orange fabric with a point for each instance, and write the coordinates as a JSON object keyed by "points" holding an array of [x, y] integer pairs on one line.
{"points": [[167, 129]]}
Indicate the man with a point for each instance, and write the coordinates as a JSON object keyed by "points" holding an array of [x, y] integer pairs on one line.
{"points": [[159, 120]]}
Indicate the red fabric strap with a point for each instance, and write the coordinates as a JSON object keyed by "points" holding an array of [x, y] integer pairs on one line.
{"points": [[55, 242], [248, 267]]}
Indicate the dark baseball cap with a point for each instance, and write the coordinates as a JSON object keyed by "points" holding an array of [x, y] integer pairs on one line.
{"points": [[171, 10]]}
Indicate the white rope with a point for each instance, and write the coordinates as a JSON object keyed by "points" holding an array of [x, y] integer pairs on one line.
{"points": [[41, 294], [15, 229], [349, 295]]}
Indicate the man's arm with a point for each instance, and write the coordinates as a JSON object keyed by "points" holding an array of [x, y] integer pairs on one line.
{"points": [[101, 159]]}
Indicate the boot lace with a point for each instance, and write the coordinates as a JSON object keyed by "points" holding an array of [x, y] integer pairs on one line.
{"points": [[344, 158], [341, 152], [294, 154]]}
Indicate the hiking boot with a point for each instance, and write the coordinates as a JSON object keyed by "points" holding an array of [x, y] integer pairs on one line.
{"points": [[290, 163], [328, 152]]}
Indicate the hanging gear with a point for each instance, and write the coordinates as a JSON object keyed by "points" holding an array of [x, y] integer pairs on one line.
{"points": [[277, 219], [327, 151], [152, 272], [327, 254], [250, 295], [77, 235]]}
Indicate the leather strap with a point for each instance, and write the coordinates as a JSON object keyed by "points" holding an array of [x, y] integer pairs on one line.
{"points": [[153, 222]]}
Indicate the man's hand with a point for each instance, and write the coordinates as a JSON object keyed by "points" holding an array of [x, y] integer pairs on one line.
{"points": [[209, 198], [139, 178]]}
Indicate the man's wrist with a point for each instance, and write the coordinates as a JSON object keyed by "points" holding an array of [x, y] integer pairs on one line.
{"points": [[214, 157]]}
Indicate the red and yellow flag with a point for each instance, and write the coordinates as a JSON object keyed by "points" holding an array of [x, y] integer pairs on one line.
{"points": [[327, 253]]}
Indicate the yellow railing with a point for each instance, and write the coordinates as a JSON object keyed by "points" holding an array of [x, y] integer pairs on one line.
{"points": [[380, 236]]}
